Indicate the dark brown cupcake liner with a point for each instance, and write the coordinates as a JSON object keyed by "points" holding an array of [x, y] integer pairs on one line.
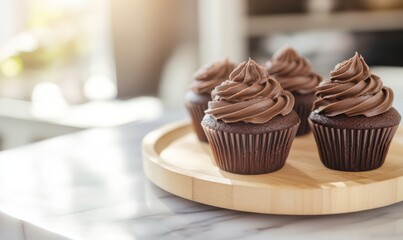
{"points": [[303, 111], [196, 112], [251, 153], [352, 149]]}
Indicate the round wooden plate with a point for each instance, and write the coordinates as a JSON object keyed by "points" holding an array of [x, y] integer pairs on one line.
{"points": [[176, 161]]}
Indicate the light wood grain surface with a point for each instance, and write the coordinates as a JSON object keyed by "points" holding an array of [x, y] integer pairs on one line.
{"points": [[176, 161]]}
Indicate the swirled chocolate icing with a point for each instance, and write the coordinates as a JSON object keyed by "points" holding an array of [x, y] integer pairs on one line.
{"points": [[293, 71], [211, 75], [352, 90], [250, 95]]}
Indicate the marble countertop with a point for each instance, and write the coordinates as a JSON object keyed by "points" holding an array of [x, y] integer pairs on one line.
{"points": [[90, 185]]}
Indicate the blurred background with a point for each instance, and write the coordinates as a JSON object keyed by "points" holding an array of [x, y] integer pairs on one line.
{"points": [[67, 65]]}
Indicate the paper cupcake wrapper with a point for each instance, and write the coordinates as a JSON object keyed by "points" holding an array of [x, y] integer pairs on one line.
{"points": [[303, 112], [196, 112], [352, 149], [251, 153]]}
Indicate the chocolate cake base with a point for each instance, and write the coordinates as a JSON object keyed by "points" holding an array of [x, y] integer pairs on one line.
{"points": [[303, 107], [196, 104], [246, 148], [356, 143]]}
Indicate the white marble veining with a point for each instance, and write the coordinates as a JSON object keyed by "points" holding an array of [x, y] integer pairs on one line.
{"points": [[15, 229], [90, 185]]}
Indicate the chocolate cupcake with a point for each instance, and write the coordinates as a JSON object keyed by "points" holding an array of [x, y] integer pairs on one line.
{"points": [[294, 73], [204, 81], [353, 120], [250, 124]]}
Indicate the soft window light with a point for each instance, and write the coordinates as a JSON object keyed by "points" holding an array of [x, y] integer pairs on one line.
{"points": [[99, 87], [48, 100], [11, 67]]}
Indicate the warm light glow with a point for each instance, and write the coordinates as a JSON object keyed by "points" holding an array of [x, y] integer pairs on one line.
{"points": [[11, 67], [48, 100], [67, 3], [99, 87], [27, 42]]}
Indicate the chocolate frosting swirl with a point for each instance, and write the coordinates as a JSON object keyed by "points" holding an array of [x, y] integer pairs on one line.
{"points": [[352, 90], [250, 95], [211, 75], [293, 71]]}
